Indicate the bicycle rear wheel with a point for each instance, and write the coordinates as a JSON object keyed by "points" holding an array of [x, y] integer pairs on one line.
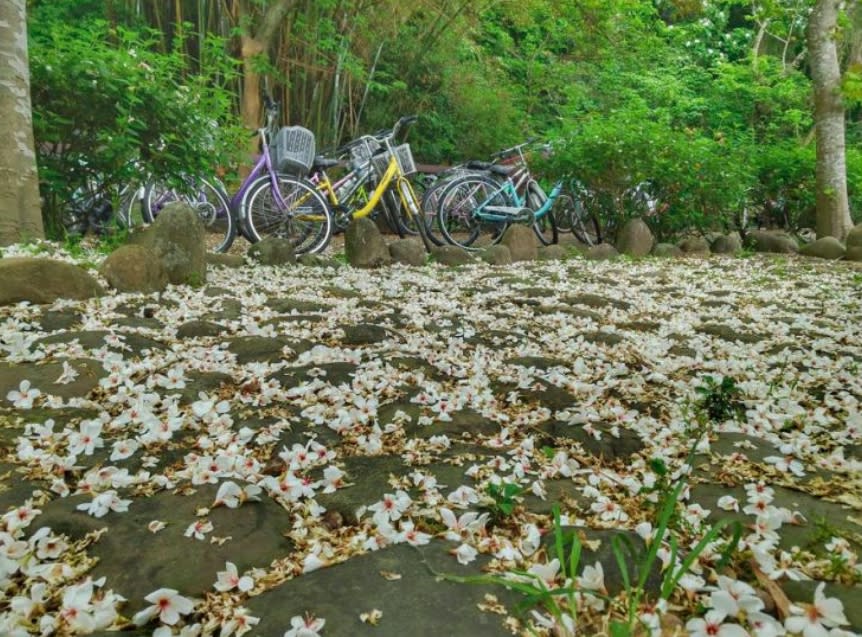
{"points": [[295, 211], [544, 224], [459, 214], [577, 219], [207, 199]]}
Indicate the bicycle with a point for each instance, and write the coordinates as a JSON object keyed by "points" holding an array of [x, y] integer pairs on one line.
{"points": [[254, 208], [477, 207], [390, 164]]}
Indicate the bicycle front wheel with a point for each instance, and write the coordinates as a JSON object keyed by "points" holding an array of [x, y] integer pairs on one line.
{"points": [[571, 211], [462, 217], [207, 199], [294, 210]]}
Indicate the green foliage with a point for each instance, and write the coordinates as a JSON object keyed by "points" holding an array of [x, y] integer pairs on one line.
{"points": [[108, 109], [720, 401], [504, 499]]}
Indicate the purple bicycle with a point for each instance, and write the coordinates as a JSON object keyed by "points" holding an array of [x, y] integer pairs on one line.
{"points": [[290, 207]]}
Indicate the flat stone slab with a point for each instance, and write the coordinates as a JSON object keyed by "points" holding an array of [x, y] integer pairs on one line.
{"points": [[44, 376], [137, 561], [416, 604]]}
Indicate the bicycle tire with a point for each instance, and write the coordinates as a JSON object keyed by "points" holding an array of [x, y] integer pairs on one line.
{"points": [[429, 204], [545, 226], [582, 224], [304, 219], [456, 214], [207, 199]]}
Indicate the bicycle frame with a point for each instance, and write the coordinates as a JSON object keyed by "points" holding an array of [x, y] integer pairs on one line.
{"points": [[510, 189]]}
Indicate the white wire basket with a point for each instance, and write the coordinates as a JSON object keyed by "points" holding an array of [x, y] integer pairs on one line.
{"points": [[403, 155], [362, 152], [293, 150]]}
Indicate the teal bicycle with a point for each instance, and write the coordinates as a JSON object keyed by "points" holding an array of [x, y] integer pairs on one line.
{"points": [[475, 210]]}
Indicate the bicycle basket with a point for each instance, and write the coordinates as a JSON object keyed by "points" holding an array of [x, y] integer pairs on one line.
{"points": [[403, 156], [364, 150], [292, 150]]}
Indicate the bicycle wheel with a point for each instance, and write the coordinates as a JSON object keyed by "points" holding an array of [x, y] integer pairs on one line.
{"points": [[296, 211], [207, 199], [131, 213], [430, 203], [579, 221], [459, 216], [544, 224]]}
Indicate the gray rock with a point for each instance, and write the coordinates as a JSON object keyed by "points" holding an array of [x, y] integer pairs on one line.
{"points": [[601, 252], [777, 242], [44, 378], [419, 603], [364, 245], [43, 281], [521, 241], [726, 244], [226, 260], [363, 334], [408, 251], [178, 238], [853, 254], [257, 348], [552, 253], [854, 237], [694, 245], [134, 268], [197, 329], [273, 251], [635, 238], [496, 255], [451, 255], [824, 248], [667, 250]]}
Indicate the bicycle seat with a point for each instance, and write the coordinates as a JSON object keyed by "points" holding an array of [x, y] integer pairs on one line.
{"points": [[504, 171], [475, 164], [324, 162]]}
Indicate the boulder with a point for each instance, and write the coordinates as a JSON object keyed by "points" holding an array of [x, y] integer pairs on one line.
{"points": [[178, 238], [496, 255], [133, 268], [226, 260], [766, 241], [601, 252], [635, 238], [854, 237], [273, 251], [44, 281], [451, 255], [364, 245], [726, 244], [694, 245], [824, 248], [552, 253], [521, 241], [407, 251], [667, 250], [853, 254]]}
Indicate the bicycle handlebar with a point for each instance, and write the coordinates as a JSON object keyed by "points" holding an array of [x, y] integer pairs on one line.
{"points": [[381, 135], [513, 149]]}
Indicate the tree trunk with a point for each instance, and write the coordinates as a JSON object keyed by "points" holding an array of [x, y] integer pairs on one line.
{"points": [[833, 212], [20, 211]]}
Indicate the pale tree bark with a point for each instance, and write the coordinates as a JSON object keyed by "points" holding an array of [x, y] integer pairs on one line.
{"points": [[833, 212], [20, 211], [256, 39]]}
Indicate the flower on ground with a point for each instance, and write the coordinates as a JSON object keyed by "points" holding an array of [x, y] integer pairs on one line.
{"points": [[229, 579], [812, 620], [167, 604], [713, 624], [23, 397], [310, 626]]}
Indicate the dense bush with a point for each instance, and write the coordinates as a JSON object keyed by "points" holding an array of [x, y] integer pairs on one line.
{"points": [[108, 110]]}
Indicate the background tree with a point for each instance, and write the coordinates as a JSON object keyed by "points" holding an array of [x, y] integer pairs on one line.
{"points": [[833, 212], [20, 215]]}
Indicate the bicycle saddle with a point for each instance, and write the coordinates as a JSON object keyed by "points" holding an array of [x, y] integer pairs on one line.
{"points": [[324, 162]]}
